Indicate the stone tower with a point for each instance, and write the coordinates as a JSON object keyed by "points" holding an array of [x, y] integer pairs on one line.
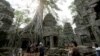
{"points": [[50, 34], [68, 33]]}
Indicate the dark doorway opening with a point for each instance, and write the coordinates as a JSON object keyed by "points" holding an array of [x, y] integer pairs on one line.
{"points": [[55, 39], [47, 41], [97, 10], [25, 43], [3, 40], [91, 34], [99, 27]]}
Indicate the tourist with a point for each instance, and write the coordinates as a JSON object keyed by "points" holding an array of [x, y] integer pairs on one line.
{"points": [[42, 49], [20, 52], [29, 50], [95, 46], [36, 49], [73, 50], [67, 47], [32, 49]]}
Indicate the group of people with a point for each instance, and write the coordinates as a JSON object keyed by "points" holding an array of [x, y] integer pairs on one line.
{"points": [[73, 49], [35, 49]]}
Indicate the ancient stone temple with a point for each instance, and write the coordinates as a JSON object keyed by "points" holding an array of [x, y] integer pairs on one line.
{"points": [[68, 33], [27, 35], [6, 19], [87, 20], [50, 34], [33, 31]]}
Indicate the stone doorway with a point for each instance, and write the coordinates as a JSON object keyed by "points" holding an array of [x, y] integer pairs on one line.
{"points": [[47, 41], [55, 39], [51, 41], [25, 42]]}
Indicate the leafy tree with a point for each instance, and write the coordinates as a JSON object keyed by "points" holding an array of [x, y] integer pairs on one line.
{"points": [[21, 18]]}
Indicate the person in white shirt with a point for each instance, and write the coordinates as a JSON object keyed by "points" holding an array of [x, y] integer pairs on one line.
{"points": [[20, 51]]}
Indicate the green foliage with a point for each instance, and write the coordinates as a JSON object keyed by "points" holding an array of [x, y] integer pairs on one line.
{"points": [[50, 5], [21, 18]]}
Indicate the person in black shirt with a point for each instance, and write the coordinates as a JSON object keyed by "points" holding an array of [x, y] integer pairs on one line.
{"points": [[42, 49]]}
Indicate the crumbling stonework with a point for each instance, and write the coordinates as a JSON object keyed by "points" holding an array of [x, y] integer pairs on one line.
{"points": [[87, 20], [68, 33], [50, 34]]}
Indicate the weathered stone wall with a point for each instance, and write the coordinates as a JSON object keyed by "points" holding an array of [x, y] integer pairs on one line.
{"points": [[86, 20], [68, 33], [50, 31], [49, 25]]}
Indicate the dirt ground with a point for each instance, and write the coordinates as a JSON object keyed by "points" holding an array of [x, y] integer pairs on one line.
{"points": [[27, 54]]}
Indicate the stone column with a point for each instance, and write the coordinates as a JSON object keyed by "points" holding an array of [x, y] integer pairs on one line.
{"points": [[78, 39], [51, 42]]}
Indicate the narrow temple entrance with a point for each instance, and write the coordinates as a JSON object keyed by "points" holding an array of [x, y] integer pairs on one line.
{"points": [[3, 40], [92, 37], [25, 43], [55, 39], [47, 41]]}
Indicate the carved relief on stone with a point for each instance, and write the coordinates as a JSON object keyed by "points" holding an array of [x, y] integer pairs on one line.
{"points": [[49, 24], [86, 18]]}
